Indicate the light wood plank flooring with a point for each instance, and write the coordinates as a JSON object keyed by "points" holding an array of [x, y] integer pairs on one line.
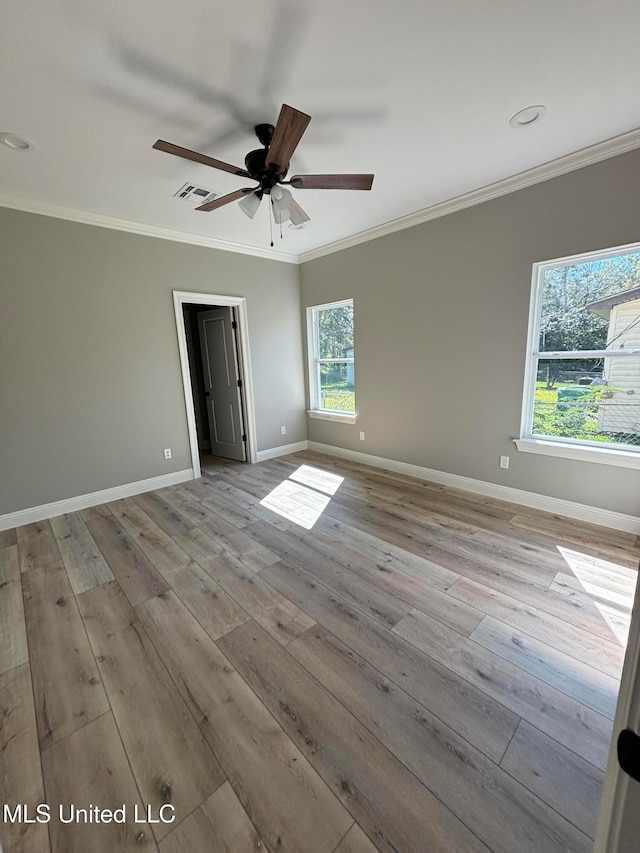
{"points": [[309, 655]]}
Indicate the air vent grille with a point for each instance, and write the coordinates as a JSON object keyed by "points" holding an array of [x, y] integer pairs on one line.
{"points": [[194, 193]]}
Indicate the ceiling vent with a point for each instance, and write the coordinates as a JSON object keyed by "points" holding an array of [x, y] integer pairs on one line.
{"points": [[194, 193]]}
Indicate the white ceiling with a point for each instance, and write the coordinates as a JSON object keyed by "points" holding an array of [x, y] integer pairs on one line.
{"points": [[420, 92]]}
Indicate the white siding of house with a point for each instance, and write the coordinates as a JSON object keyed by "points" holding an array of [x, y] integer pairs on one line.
{"points": [[622, 412]]}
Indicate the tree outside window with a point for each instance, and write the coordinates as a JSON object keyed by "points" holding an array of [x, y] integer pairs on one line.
{"points": [[331, 339], [583, 381]]}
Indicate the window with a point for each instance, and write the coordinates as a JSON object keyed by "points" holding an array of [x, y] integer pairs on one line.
{"points": [[582, 385], [331, 360]]}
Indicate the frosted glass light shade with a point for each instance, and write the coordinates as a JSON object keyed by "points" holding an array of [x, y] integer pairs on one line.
{"points": [[250, 204], [282, 198], [280, 216]]}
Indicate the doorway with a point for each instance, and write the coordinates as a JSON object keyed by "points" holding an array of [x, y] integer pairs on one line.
{"points": [[216, 373]]}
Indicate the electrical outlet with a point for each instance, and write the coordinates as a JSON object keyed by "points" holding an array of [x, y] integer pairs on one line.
{"points": [[283, 430], [361, 435], [504, 461], [167, 453]]}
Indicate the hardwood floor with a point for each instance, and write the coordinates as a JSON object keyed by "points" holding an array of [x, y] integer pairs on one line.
{"points": [[312, 656]]}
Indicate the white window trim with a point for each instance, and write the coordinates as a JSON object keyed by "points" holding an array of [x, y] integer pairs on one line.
{"points": [[325, 415], [582, 452], [312, 357], [549, 445]]}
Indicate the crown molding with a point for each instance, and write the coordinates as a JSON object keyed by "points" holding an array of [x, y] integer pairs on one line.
{"points": [[87, 217], [553, 169]]}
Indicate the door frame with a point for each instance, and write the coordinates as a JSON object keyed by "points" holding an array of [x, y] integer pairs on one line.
{"points": [[616, 782], [180, 298]]}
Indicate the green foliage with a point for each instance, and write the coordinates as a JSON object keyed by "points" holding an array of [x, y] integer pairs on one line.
{"points": [[333, 375], [335, 338], [335, 331], [572, 422], [565, 324], [579, 421], [338, 398]]}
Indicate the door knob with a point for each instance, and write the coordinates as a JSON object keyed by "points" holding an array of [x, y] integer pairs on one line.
{"points": [[629, 753]]}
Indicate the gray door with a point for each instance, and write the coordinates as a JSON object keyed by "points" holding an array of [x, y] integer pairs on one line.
{"points": [[619, 825], [221, 382]]}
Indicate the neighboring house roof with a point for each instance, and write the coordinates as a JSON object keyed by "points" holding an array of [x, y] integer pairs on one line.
{"points": [[602, 307]]}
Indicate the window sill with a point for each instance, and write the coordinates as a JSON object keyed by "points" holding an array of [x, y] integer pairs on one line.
{"points": [[604, 455], [340, 417]]}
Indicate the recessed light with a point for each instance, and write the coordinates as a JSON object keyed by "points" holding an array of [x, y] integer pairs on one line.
{"points": [[17, 143], [528, 116]]}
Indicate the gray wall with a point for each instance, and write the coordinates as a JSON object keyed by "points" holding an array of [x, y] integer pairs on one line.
{"points": [[441, 313], [90, 384]]}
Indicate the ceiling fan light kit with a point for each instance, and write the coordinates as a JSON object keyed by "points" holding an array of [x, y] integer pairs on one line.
{"points": [[281, 198], [250, 203], [280, 216], [268, 166]]}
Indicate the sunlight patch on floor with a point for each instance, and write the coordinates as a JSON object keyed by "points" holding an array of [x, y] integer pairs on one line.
{"points": [[323, 481], [304, 496], [609, 586]]}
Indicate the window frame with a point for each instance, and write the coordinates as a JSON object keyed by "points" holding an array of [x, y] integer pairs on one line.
{"points": [[570, 448], [314, 362]]}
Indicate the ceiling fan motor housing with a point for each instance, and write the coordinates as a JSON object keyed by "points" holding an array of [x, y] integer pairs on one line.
{"points": [[255, 161], [264, 132]]}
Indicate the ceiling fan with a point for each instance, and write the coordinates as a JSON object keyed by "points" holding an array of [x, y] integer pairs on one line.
{"points": [[269, 166]]}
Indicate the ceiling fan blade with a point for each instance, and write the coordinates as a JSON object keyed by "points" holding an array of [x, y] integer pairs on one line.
{"points": [[187, 154], [297, 215], [290, 126], [225, 199], [332, 182]]}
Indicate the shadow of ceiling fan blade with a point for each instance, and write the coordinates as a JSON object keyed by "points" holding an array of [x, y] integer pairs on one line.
{"points": [[347, 114], [100, 68], [282, 46], [261, 65], [172, 77], [141, 104], [250, 107], [213, 139]]}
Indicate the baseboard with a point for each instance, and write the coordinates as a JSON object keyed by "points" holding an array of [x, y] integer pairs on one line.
{"points": [[558, 506], [38, 513], [284, 450]]}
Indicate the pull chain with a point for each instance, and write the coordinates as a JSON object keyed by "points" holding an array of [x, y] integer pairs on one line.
{"points": [[270, 222]]}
